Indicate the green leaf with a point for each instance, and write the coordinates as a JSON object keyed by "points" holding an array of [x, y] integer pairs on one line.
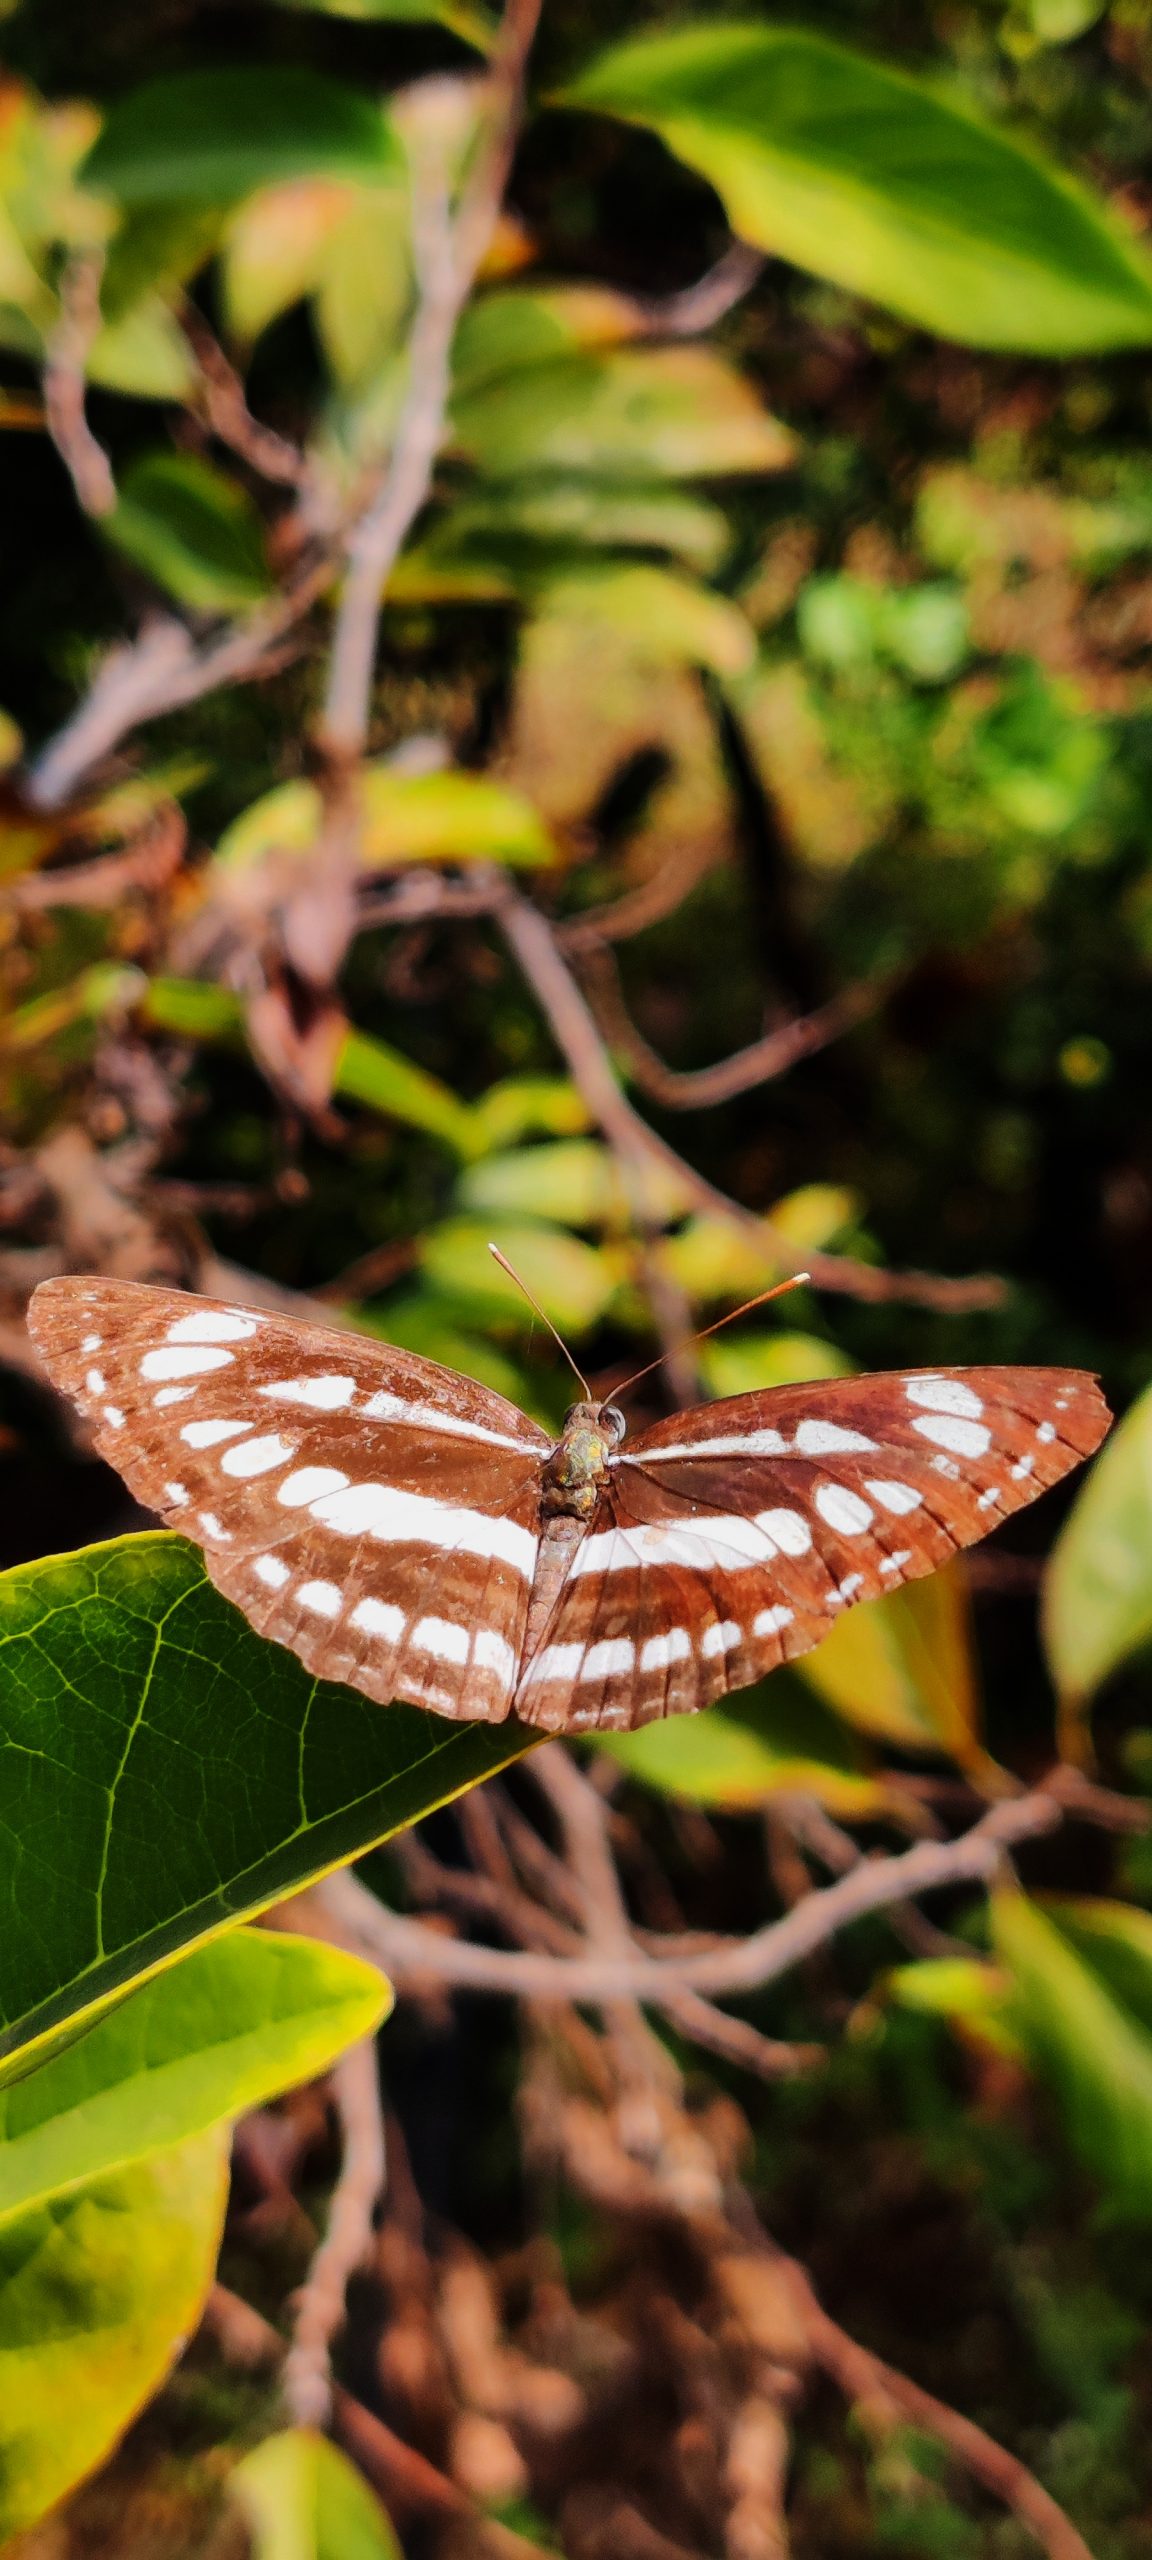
{"points": [[738, 1364], [575, 1182], [301, 2499], [473, 25], [407, 817], [1082, 1973], [973, 1996], [164, 1771], [230, 2026], [874, 180], [902, 1668], [214, 136], [644, 413], [192, 529], [144, 353], [1098, 1589], [770, 1739], [524, 524], [673, 620], [99, 2291], [528, 1106], [573, 1283]]}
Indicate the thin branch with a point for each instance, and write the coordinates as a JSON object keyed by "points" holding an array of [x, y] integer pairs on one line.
{"points": [[699, 306], [404, 1947], [65, 379], [702, 1088], [448, 249], [649, 903], [229, 416], [320, 2311], [863, 2377], [534, 946]]}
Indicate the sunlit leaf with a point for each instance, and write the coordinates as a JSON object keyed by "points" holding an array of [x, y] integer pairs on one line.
{"points": [[524, 527], [216, 135], [902, 1668], [364, 285], [647, 413], [529, 1106], [1098, 1588], [715, 1257], [576, 1182], [193, 529], [974, 1996], [166, 1771], [1082, 1977], [870, 177], [769, 1739], [99, 2291], [473, 24], [144, 353], [301, 2499], [573, 1283], [407, 817], [738, 1364], [671, 619], [230, 2026]]}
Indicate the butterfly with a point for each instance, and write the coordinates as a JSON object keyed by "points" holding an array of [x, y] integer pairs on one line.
{"points": [[401, 1528]]}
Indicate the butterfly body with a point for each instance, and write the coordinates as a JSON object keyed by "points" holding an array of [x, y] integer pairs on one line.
{"points": [[405, 1530]]}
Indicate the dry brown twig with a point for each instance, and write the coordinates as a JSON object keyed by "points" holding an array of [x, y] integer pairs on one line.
{"points": [[320, 2309], [65, 383], [703, 1088], [229, 416]]}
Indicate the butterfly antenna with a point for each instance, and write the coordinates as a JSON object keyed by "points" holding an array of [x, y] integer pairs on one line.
{"points": [[534, 1303], [797, 1281]]}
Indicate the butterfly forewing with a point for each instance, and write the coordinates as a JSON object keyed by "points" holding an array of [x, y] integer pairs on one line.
{"points": [[733, 1536], [376, 1513]]}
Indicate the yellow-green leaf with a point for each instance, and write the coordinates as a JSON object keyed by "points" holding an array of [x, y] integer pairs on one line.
{"points": [[233, 2024], [770, 1739], [99, 2291], [575, 1182], [426, 817], [902, 1668], [1098, 1589], [572, 1282], [301, 2499], [1082, 1974], [739, 1364], [644, 413]]}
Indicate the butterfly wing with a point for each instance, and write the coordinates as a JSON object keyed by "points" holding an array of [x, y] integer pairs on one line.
{"points": [[733, 1536], [372, 1511]]}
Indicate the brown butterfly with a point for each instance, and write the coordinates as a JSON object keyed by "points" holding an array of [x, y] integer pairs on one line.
{"points": [[399, 1527]]}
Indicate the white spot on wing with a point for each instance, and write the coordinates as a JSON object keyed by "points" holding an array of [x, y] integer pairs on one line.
{"points": [[675, 1645], [96, 1382], [172, 1395], [256, 1457], [900, 1556], [845, 1512], [307, 1484], [492, 1652], [114, 1415], [721, 1637], [817, 1439], [322, 1598], [92, 1342], [177, 1495], [326, 1394], [204, 1435], [1022, 1468], [609, 1659], [187, 1363], [212, 1324], [1046, 1431], [987, 1499], [382, 1511], [438, 1637], [892, 1495], [380, 1618], [272, 1572], [945, 1395], [555, 1662], [954, 1431], [383, 1407], [770, 1621], [852, 1583], [725, 1444], [214, 1528], [788, 1531]]}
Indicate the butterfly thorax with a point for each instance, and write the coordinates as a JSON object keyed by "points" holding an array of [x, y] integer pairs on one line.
{"points": [[573, 1478]]}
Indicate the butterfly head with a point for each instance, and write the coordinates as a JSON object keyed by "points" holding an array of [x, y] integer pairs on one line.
{"points": [[577, 1470]]}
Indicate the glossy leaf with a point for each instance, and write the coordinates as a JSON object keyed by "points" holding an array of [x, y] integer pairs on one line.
{"points": [[230, 2026], [217, 135], [164, 1770], [193, 529], [1082, 1975], [99, 2291], [407, 817], [770, 1739], [1098, 1589], [647, 413], [873, 179], [902, 1668], [573, 1283], [301, 2499]]}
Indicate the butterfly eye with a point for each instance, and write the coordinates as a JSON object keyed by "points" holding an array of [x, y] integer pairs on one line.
{"points": [[612, 1421]]}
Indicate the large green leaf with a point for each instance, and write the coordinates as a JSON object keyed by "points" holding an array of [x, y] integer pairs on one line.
{"points": [[572, 1282], [575, 1181], [214, 136], [302, 2500], [1082, 1974], [236, 2022], [164, 1770], [98, 2292], [873, 179], [193, 529], [902, 1668], [1098, 1591]]}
